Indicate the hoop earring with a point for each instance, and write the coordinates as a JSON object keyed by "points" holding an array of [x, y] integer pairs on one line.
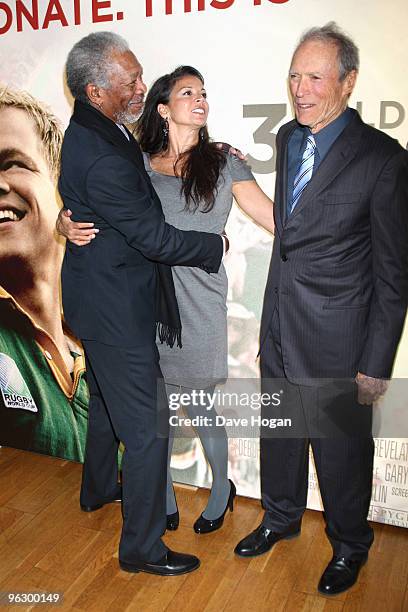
{"points": [[165, 131]]}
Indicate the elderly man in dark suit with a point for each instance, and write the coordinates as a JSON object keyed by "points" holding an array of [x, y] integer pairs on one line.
{"points": [[115, 296], [335, 303]]}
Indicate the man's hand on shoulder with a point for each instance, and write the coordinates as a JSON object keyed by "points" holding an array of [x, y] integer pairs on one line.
{"points": [[370, 389], [78, 233], [227, 148]]}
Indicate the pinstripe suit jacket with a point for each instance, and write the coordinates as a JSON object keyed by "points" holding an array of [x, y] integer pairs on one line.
{"points": [[339, 268]]}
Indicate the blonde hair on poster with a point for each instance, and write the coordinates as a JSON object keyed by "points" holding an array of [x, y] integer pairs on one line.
{"points": [[48, 126]]}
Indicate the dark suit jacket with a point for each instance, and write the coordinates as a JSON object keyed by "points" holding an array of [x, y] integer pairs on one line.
{"points": [[109, 286], [339, 269]]}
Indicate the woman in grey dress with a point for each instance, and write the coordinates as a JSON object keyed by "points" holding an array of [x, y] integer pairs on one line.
{"points": [[196, 183]]}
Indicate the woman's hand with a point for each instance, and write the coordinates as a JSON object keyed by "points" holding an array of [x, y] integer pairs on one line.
{"points": [[78, 233]]}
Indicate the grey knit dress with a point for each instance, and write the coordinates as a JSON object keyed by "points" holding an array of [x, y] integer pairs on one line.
{"points": [[202, 361]]}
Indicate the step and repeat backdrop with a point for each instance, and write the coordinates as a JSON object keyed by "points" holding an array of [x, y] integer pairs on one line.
{"points": [[243, 48]]}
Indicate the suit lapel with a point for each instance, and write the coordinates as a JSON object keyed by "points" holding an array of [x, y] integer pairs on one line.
{"points": [[131, 150], [89, 117], [339, 157], [134, 149], [282, 179]]}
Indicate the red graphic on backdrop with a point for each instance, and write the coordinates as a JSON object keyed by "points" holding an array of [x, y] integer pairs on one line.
{"points": [[27, 13], [157, 6], [41, 14]]}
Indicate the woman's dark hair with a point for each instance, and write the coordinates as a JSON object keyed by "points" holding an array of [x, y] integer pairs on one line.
{"points": [[199, 167]]}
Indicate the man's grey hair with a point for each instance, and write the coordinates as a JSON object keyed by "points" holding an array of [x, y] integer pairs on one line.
{"points": [[88, 62], [347, 50]]}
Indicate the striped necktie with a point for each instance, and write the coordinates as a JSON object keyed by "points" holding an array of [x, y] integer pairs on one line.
{"points": [[305, 171]]}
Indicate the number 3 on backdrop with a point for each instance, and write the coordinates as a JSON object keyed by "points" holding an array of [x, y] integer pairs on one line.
{"points": [[274, 114]]}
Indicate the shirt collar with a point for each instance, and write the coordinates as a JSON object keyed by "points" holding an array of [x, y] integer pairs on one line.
{"points": [[326, 136], [122, 129], [50, 350]]}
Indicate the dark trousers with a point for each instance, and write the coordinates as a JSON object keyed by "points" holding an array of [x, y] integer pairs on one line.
{"points": [[125, 405], [343, 453]]}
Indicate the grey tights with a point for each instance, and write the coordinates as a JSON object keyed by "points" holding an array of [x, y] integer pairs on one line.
{"points": [[216, 453]]}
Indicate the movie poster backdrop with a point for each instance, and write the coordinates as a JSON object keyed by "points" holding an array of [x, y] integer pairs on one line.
{"points": [[243, 48]]}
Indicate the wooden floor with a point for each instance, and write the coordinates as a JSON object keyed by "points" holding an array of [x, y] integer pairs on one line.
{"points": [[48, 544]]}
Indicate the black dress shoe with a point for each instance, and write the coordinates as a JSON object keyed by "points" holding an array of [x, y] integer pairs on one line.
{"points": [[172, 564], [203, 525], [340, 575], [91, 508], [173, 521], [117, 498], [261, 540]]}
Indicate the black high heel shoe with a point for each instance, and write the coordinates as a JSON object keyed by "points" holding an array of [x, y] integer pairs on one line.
{"points": [[203, 525], [173, 521]]}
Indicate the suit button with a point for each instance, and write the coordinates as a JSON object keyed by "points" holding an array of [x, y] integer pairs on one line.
{"points": [[284, 257]]}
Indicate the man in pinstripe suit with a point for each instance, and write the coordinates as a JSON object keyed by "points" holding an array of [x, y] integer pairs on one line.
{"points": [[335, 303]]}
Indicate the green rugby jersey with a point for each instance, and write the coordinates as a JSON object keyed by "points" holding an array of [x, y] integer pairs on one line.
{"points": [[42, 408]]}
